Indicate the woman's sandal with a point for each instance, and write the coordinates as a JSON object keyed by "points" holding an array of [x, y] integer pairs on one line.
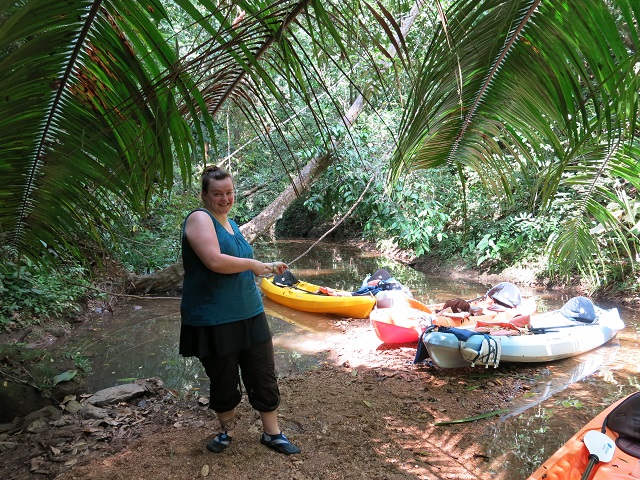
{"points": [[219, 443], [280, 443]]}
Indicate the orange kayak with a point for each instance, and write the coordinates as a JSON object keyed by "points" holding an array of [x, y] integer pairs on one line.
{"points": [[572, 459]]}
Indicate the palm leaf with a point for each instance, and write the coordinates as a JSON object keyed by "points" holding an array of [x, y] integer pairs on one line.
{"points": [[84, 124], [99, 98], [508, 79]]}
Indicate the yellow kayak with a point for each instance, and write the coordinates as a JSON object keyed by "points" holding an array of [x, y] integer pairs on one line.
{"points": [[308, 297]]}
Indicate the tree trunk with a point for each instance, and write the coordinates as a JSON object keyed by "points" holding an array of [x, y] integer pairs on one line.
{"points": [[259, 224], [167, 280]]}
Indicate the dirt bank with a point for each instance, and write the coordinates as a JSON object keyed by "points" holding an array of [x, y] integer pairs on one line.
{"points": [[368, 413]]}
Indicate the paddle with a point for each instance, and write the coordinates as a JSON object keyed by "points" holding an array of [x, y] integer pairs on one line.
{"points": [[553, 329], [601, 449]]}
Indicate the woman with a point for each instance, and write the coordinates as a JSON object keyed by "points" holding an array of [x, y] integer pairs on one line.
{"points": [[223, 320]]}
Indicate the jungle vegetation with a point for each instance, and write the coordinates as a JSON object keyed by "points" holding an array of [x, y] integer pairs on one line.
{"points": [[499, 131]]}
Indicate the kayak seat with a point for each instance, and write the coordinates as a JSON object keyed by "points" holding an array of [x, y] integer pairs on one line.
{"points": [[286, 279], [625, 421]]}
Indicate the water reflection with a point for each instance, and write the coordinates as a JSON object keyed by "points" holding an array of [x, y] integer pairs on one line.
{"points": [[140, 340], [344, 267], [564, 373]]}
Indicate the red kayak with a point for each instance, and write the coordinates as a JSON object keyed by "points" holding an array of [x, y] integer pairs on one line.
{"points": [[400, 323]]}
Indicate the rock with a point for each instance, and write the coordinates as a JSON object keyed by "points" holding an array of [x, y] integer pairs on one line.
{"points": [[91, 411], [153, 385], [46, 413], [38, 425], [124, 393], [73, 406], [119, 393]]}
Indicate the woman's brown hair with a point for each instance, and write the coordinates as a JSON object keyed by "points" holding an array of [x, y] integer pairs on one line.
{"points": [[213, 172]]}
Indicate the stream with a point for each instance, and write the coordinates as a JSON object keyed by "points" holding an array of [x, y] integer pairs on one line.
{"points": [[140, 340]]}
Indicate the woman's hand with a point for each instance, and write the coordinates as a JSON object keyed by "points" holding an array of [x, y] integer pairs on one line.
{"points": [[268, 269], [278, 268]]}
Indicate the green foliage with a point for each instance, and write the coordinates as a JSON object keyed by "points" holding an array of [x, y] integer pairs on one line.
{"points": [[520, 147], [516, 238], [146, 244], [409, 217], [65, 376], [104, 114], [81, 362], [552, 123], [31, 295]]}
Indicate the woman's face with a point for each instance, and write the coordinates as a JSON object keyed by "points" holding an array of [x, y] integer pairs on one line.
{"points": [[219, 197]]}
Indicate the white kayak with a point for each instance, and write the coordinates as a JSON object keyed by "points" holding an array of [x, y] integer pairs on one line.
{"points": [[548, 337]]}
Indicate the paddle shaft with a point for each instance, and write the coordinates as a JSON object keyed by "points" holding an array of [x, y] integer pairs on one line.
{"points": [[552, 329], [476, 299], [593, 459]]}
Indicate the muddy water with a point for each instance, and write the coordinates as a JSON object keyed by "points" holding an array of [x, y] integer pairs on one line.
{"points": [[140, 340]]}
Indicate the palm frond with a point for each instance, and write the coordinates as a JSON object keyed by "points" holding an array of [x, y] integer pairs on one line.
{"points": [[509, 80], [99, 97], [84, 125]]}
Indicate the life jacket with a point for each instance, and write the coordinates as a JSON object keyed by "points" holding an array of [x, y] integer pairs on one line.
{"points": [[378, 286]]}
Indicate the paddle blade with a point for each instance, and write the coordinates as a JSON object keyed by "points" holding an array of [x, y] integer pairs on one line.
{"points": [[599, 445]]}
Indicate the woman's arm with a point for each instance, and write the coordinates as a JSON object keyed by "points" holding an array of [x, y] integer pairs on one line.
{"points": [[201, 235]]}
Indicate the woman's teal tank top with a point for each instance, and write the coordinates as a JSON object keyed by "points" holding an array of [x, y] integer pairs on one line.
{"points": [[210, 298]]}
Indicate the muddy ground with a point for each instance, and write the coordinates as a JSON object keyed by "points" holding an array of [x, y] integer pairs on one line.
{"points": [[368, 412]]}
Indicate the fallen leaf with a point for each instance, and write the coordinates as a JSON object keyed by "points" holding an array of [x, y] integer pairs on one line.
{"points": [[368, 404], [64, 377]]}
